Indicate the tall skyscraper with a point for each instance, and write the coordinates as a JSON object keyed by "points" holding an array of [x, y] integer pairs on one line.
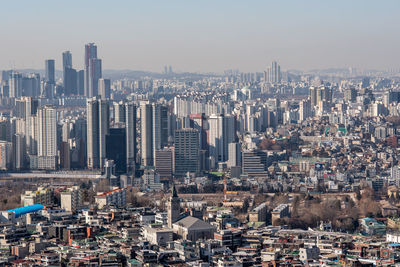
{"points": [[146, 140], [97, 128], [80, 82], [154, 130], [273, 73], [222, 131], [234, 152], [131, 146], [320, 94], [116, 148], [70, 82], [47, 137], [305, 109], [15, 85], [187, 152], [104, 86], [95, 74], [92, 70], [70, 77], [119, 112], [50, 71], [67, 59]]}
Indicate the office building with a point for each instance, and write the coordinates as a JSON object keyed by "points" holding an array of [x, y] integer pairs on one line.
{"points": [[254, 163], [116, 148], [234, 155], [104, 86], [154, 130], [70, 82], [67, 59], [164, 163], [80, 81], [146, 140], [97, 128], [92, 70], [50, 71], [131, 133], [187, 152], [222, 131], [119, 112]]}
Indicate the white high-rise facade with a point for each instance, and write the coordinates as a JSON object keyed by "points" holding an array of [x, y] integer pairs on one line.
{"points": [[47, 137]]}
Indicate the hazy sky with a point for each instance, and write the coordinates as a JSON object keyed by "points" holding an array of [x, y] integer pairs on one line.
{"points": [[203, 35]]}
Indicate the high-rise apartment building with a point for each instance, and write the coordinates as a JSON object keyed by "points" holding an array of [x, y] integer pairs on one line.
{"points": [[15, 85], [97, 128], [119, 112], [47, 137], [104, 86], [131, 133], [320, 94], [222, 131], [273, 73], [154, 130], [305, 109]]}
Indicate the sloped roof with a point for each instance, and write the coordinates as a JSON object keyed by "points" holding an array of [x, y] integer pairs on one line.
{"points": [[193, 223]]}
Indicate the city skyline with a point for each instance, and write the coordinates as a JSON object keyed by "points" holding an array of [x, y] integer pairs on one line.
{"points": [[207, 37]]}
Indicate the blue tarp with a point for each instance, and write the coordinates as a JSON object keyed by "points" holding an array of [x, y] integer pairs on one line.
{"points": [[27, 209]]}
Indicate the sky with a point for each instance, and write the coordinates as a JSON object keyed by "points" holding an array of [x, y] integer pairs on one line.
{"points": [[203, 35]]}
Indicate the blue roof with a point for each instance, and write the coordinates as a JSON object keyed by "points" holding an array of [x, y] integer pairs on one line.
{"points": [[27, 209]]}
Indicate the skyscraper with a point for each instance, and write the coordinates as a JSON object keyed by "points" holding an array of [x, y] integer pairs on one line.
{"points": [[92, 70], [15, 85], [50, 71], [104, 86], [47, 137], [80, 82], [222, 131], [119, 112], [305, 110], [94, 76], [187, 151], [70, 82], [146, 140], [67, 59], [97, 129], [69, 75], [131, 146], [154, 130], [273, 74], [116, 148]]}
